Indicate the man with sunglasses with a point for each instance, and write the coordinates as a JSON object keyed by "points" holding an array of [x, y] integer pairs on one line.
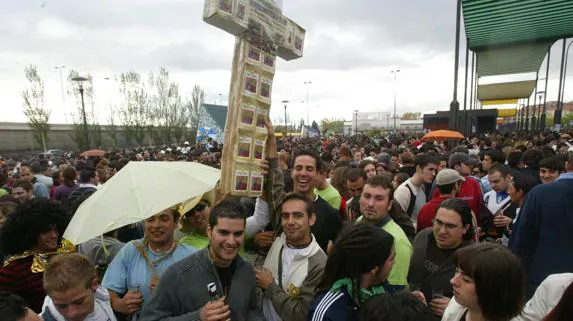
{"points": [[194, 225]]}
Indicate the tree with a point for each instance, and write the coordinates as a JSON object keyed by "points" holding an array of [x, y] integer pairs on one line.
{"points": [[315, 126], [336, 126], [38, 116], [134, 115], [193, 108], [112, 127], [411, 116], [167, 109]]}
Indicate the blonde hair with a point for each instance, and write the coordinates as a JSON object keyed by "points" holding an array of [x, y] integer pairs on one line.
{"points": [[68, 271]]}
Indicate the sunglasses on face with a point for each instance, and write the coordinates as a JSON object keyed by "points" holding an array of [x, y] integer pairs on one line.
{"points": [[198, 208]]}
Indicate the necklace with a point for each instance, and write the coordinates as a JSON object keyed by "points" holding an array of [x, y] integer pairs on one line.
{"points": [[162, 256], [299, 246]]}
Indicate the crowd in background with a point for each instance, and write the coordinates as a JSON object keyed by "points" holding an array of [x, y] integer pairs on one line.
{"points": [[348, 228]]}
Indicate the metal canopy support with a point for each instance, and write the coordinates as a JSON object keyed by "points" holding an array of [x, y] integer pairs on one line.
{"points": [[469, 119], [464, 122], [533, 118], [557, 117], [543, 118], [455, 105], [527, 116]]}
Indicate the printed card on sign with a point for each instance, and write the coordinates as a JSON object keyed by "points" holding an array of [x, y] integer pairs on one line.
{"points": [[266, 84], [241, 180], [254, 55], [259, 149], [256, 182], [248, 114], [261, 117], [251, 83], [226, 6], [244, 149]]}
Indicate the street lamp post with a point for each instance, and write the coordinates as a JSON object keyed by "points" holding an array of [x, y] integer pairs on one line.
{"points": [[286, 130], [307, 84], [80, 81], [395, 72], [60, 68], [356, 122]]}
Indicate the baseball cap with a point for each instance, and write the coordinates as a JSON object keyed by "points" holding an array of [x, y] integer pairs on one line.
{"points": [[457, 158], [448, 176]]}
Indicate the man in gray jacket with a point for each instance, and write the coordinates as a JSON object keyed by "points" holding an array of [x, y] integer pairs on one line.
{"points": [[212, 284]]}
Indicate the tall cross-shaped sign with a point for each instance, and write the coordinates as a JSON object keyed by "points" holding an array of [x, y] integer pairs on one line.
{"points": [[262, 33]]}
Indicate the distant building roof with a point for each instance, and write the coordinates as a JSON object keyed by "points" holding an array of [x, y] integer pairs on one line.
{"points": [[218, 113]]}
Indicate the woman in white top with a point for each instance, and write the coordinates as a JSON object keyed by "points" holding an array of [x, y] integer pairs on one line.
{"points": [[488, 285]]}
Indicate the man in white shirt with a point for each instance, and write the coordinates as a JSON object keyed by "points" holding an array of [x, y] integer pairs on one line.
{"points": [[294, 265], [410, 194]]}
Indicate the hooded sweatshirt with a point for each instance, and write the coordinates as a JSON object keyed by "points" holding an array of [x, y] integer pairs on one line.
{"points": [[102, 308]]}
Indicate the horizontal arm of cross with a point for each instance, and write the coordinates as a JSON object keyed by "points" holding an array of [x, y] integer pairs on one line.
{"points": [[260, 17]]}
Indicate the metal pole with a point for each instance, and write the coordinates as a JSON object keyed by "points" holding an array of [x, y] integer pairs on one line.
{"points": [[286, 130], [307, 83], [522, 126], [517, 115], [86, 137], [557, 117], [395, 101], [63, 96], [543, 118], [526, 129], [307, 114], [538, 127], [476, 100], [464, 126], [455, 105], [469, 115], [565, 71], [356, 122], [533, 118]]}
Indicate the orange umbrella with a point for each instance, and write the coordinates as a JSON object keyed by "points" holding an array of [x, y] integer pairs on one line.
{"points": [[93, 153], [442, 135]]}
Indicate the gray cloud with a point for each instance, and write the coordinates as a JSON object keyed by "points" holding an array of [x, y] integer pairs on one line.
{"points": [[386, 25]]}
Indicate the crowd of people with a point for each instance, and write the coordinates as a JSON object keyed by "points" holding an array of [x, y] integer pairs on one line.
{"points": [[347, 228]]}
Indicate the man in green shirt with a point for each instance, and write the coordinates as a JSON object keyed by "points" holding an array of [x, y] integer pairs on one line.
{"points": [[194, 226], [375, 202], [325, 190]]}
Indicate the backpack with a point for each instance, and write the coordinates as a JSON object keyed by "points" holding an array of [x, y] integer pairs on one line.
{"points": [[412, 203]]}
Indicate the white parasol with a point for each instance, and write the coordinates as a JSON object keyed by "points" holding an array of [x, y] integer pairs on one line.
{"points": [[137, 192]]}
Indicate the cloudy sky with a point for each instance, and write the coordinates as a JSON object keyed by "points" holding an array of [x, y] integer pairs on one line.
{"points": [[351, 47]]}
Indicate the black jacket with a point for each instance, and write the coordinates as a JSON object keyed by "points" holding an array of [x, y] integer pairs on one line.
{"points": [[418, 275]]}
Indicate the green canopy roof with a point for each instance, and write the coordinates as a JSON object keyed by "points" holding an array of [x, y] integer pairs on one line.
{"points": [[508, 90], [503, 22], [521, 58], [513, 37]]}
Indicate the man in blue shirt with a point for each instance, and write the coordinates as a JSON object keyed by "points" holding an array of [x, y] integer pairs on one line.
{"points": [[134, 272]]}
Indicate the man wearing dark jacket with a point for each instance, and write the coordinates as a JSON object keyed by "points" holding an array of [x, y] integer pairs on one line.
{"points": [[212, 284], [542, 234], [431, 267]]}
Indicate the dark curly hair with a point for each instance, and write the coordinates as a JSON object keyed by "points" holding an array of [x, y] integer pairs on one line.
{"points": [[22, 228]]}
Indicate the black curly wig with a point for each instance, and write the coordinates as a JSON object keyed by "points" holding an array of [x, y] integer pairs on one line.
{"points": [[22, 228]]}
